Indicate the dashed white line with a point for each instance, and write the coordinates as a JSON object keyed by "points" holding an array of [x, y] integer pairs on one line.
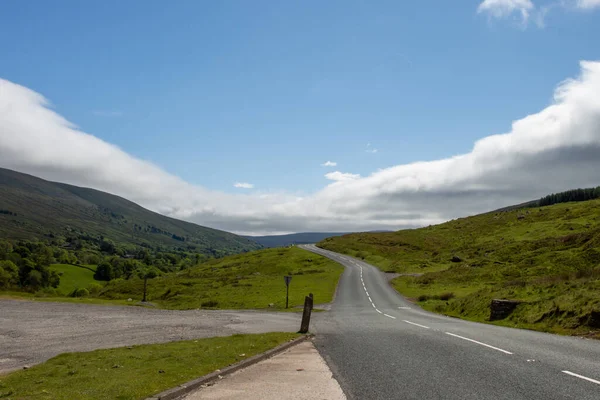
{"points": [[378, 311], [413, 323], [582, 377], [390, 316], [404, 308], [475, 341]]}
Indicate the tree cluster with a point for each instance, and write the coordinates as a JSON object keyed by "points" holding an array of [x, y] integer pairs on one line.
{"points": [[25, 266], [569, 196]]}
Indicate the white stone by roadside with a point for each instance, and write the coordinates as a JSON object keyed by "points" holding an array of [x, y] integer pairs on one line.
{"points": [[298, 373]]}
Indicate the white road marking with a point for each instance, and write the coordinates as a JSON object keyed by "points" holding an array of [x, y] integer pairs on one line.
{"points": [[404, 308], [378, 311], [419, 325], [475, 341], [582, 377], [389, 316]]}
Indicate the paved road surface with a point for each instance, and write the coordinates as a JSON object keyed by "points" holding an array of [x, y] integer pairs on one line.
{"points": [[33, 331], [379, 346]]}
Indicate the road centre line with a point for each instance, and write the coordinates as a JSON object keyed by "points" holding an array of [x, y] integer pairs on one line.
{"points": [[413, 323], [404, 308], [378, 311], [582, 377], [390, 316], [475, 341]]}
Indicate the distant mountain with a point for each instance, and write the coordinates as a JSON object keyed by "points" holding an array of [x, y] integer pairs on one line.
{"points": [[293, 238], [32, 208]]}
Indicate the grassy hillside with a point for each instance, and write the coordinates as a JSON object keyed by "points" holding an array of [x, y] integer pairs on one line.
{"points": [[251, 280], [293, 238], [32, 208], [74, 277], [547, 257]]}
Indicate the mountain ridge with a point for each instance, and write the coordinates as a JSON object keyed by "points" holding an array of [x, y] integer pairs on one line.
{"points": [[34, 208]]}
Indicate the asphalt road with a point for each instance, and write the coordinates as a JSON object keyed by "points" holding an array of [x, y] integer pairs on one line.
{"points": [[380, 346], [34, 331]]}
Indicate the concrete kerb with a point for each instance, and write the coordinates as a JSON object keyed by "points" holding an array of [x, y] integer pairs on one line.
{"points": [[182, 390]]}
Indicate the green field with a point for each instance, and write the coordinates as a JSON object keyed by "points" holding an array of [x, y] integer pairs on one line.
{"points": [[134, 372], [547, 257], [74, 277], [251, 280]]}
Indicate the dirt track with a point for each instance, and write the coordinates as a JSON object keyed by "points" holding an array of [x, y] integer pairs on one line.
{"points": [[34, 331]]}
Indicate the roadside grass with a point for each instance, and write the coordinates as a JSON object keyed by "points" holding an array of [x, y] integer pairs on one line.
{"points": [[74, 277], [548, 258], [247, 281], [134, 372]]}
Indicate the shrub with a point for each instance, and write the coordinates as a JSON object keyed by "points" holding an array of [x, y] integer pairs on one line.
{"points": [[423, 297], [210, 304], [94, 288], [80, 293]]}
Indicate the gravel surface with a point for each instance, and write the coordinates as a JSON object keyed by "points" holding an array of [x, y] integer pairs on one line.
{"points": [[32, 332]]}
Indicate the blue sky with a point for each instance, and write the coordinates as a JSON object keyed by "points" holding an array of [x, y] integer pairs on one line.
{"points": [[265, 92]]}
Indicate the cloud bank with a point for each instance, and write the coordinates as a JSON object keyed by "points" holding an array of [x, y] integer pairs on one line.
{"points": [[557, 148]]}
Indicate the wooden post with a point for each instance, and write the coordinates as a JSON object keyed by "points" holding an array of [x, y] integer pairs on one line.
{"points": [[308, 306], [145, 287], [287, 295]]}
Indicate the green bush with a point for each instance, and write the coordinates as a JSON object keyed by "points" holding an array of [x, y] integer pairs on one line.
{"points": [[80, 293], [94, 288]]}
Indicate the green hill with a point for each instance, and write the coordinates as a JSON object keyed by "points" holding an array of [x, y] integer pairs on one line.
{"points": [[251, 280], [35, 209], [548, 258]]}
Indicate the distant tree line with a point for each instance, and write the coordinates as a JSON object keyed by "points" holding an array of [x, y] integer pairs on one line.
{"points": [[569, 196]]}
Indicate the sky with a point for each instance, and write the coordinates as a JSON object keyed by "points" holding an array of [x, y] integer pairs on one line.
{"points": [[269, 117]]}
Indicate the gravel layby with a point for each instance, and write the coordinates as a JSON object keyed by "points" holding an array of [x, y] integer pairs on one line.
{"points": [[34, 331]]}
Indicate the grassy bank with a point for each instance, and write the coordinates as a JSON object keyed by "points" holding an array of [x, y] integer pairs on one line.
{"points": [[548, 258], [247, 281], [74, 277], [133, 372], [252, 280]]}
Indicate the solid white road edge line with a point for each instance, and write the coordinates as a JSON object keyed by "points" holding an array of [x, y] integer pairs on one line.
{"points": [[419, 325], [582, 377], [475, 341], [389, 316]]}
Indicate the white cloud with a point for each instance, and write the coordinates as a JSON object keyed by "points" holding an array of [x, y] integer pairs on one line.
{"points": [[243, 185], [329, 164], [341, 176], [554, 149], [588, 4], [505, 8]]}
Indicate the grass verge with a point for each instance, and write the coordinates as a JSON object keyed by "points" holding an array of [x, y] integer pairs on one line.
{"points": [[548, 258], [135, 372]]}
